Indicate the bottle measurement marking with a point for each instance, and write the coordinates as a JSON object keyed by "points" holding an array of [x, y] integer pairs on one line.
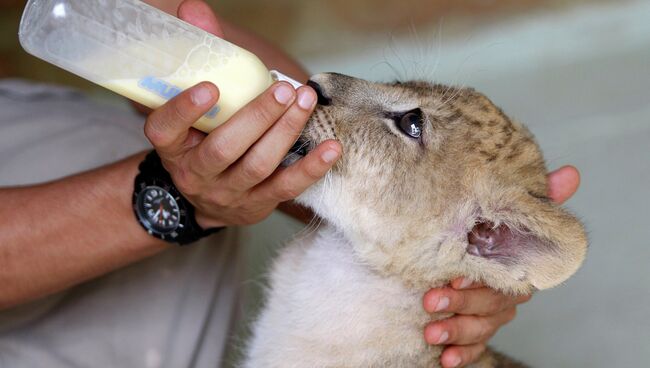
{"points": [[168, 91]]}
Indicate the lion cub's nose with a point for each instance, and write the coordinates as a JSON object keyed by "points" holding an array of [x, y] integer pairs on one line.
{"points": [[333, 88], [322, 100]]}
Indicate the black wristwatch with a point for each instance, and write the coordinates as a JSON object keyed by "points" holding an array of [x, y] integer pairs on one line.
{"points": [[161, 209]]}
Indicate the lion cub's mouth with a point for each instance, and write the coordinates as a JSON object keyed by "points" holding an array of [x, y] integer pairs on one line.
{"points": [[299, 150], [303, 145]]}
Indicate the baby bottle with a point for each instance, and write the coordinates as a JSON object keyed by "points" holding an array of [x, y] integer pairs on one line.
{"points": [[143, 53]]}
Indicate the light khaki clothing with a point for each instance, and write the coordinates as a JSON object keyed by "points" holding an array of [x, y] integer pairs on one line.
{"points": [[172, 310]]}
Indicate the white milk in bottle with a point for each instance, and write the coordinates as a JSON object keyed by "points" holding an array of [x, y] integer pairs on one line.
{"points": [[143, 53], [227, 67]]}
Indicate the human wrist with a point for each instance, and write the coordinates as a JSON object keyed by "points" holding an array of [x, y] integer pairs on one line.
{"points": [[162, 210], [123, 175], [111, 190]]}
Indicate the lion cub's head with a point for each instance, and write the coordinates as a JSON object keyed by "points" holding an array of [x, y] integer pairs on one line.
{"points": [[436, 182]]}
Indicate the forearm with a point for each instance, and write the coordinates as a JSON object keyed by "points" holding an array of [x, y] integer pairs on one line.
{"points": [[59, 234]]}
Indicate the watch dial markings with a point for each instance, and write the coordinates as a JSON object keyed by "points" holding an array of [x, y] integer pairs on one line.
{"points": [[157, 209]]}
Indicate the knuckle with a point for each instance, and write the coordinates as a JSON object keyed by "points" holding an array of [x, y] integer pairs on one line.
{"points": [[287, 192], [154, 132], [187, 189], [217, 151], [256, 169], [178, 113], [486, 330], [312, 171], [501, 303], [222, 199], [294, 124], [185, 182], [259, 216], [461, 301], [262, 114], [496, 302]]}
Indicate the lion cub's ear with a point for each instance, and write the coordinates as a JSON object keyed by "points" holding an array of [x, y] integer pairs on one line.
{"points": [[531, 235]]}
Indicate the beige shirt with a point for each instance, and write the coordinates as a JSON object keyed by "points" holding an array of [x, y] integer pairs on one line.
{"points": [[172, 310]]}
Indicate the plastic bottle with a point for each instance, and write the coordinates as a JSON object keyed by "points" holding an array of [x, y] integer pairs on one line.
{"points": [[143, 53]]}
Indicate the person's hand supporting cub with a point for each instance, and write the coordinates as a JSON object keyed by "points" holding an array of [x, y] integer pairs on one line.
{"points": [[480, 311]]}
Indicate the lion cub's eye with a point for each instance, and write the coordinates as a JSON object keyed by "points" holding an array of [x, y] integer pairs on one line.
{"points": [[411, 124]]}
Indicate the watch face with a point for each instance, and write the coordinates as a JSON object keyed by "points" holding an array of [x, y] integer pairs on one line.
{"points": [[158, 210]]}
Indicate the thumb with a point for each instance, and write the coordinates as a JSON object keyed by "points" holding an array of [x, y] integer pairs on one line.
{"points": [[199, 14]]}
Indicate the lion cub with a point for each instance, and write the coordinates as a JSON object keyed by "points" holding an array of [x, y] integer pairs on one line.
{"points": [[434, 183]]}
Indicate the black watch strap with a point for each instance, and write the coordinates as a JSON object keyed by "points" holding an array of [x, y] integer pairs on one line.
{"points": [[153, 174]]}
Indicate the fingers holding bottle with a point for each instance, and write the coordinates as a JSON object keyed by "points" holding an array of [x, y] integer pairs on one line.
{"points": [[228, 175], [168, 128], [231, 141]]}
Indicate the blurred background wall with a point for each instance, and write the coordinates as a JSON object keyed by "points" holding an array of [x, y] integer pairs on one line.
{"points": [[314, 28], [576, 72]]}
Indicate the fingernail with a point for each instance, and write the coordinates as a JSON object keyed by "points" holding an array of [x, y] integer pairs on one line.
{"points": [[465, 284], [443, 303], [306, 99], [201, 95], [455, 362], [443, 337], [283, 94], [329, 156]]}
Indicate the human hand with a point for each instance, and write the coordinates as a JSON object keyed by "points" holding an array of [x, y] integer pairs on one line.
{"points": [[230, 175], [479, 311]]}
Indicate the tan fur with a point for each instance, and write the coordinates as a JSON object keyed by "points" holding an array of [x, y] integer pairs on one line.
{"points": [[406, 206], [475, 163]]}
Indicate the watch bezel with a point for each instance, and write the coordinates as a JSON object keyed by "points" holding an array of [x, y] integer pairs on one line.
{"points": [[171, 235], [152, 173]]}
